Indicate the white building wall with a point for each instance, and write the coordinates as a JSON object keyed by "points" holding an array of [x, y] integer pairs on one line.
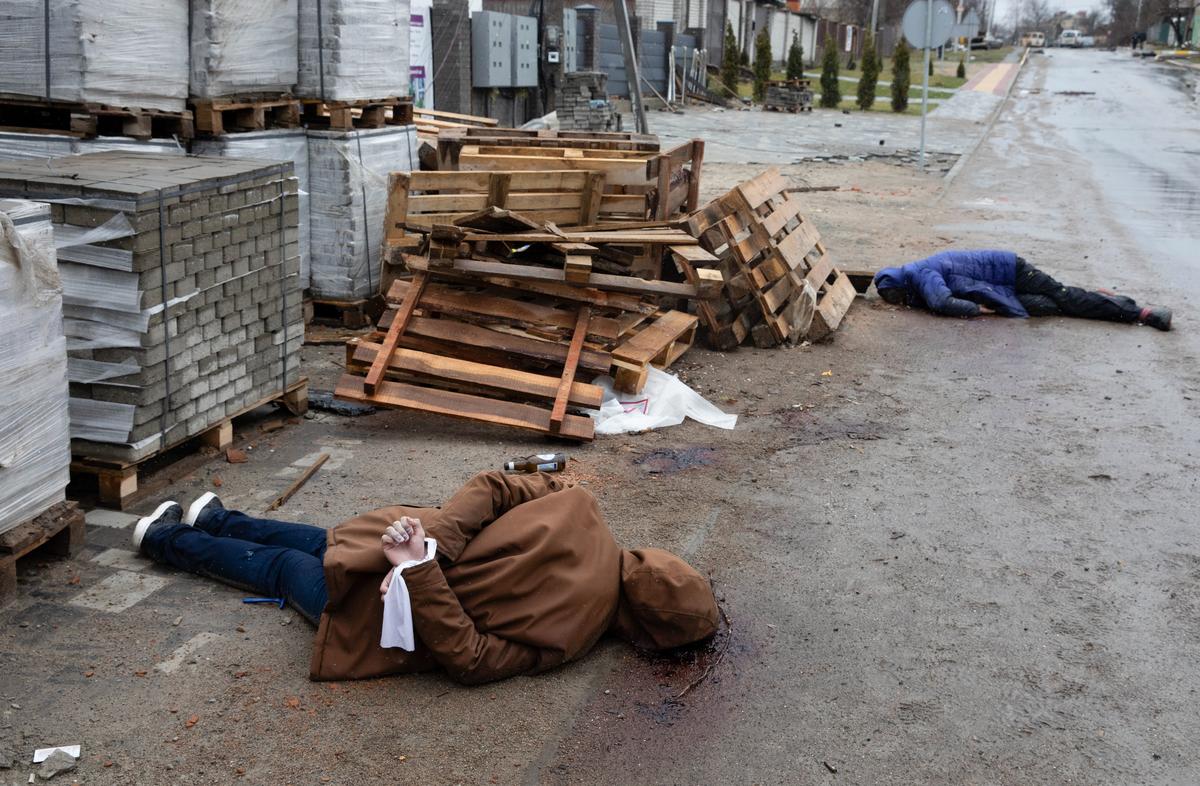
{"points": [[778, 32]]}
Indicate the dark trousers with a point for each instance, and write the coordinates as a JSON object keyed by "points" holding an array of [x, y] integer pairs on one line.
{"points": [[1042, 296], [276, 559]]}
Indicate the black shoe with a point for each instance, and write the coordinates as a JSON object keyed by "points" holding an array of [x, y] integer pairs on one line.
{"points": [[1156, 317], [164, 515], [204, 506]]}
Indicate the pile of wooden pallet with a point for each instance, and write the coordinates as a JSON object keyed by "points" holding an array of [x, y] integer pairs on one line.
{"points": [[506, 317], [780, 282], [664, 183], [794, 95]]}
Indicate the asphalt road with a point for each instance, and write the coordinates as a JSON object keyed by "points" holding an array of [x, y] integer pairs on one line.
{"points": [[966, 554]]}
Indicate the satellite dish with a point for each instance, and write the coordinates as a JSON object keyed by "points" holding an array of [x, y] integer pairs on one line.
{"points": [[913, 23]]}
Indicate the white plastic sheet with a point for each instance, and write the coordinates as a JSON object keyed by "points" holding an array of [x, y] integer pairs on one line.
{"points": [[119, 52], [347, 201], [242, 47], [353, 49], [35, 451], [664, 401]]}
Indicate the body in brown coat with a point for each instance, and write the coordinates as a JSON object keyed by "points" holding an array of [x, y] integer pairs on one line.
{"points": [[528, 576]]}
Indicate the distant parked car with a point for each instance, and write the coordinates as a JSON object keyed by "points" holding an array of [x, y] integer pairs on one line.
{"points": [[986, 42], [1087, 40], [1034, 40], [1069, 38]]}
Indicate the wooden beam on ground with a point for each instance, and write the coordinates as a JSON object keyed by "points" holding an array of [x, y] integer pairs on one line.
{"points": [[603, 281], [559, 411], [400, 395], [405, 313], [523, 383], [464, 334]]}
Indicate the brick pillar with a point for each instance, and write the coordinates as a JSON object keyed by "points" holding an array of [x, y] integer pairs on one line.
{"points": [[450, 24]]}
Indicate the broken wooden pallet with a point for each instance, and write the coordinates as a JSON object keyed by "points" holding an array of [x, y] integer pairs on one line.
{"points": [[780, 282], [659, 344], [60, 529], [421, 378], [450, 141], [657, 185]]}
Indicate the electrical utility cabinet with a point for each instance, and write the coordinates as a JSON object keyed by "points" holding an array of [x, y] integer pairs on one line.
{"points": [[524, 51], [492, 39], [570, 35]]}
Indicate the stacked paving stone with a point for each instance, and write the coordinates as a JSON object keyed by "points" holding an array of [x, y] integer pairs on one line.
{"points": [[584, 104], [181, 294]]}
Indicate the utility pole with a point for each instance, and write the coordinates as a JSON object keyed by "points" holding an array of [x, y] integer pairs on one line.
{"points": [[633, 77]]}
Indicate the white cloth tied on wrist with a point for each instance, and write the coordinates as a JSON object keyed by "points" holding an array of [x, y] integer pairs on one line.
{"points": [[397, 608]]}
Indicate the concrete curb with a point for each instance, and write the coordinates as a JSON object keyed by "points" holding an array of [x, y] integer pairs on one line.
{"points": [[991, 121]]}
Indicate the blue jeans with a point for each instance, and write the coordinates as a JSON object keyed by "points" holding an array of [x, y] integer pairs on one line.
{"points": [[271, 558]]}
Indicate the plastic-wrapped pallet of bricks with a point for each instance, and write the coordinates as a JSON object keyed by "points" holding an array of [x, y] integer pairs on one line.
{"points": [[243, 47], [283, 144], [18, 146], [35, 448], [347, 175], [353, 49], [181, 299], [120, 52]]}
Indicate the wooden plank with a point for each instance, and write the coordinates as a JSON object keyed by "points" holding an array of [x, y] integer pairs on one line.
{"points": [[524, 383], [592, 200], [759, 189], [602, 281], [397, 207], [399, 323], [652, 340], [400, 395], [795, 247], [521, 201], [693, 197], [454, 332], [454, 116], [820, 272], [832, 307], [457, 303], [577, 269], [478, 182], [559, 410], [616, 172], [617, 237]]}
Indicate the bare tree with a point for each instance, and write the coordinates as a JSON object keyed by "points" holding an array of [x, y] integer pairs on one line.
{"points": [[1037, 14]]}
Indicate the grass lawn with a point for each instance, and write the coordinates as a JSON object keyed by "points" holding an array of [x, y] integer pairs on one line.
{"points": [[883, 96], [885, 105], [988, 56]]}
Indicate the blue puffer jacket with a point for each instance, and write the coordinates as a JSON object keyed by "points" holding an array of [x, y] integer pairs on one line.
{"points": [[945, 280]]}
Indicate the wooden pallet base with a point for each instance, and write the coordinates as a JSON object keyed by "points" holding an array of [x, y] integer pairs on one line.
{"points": [[88, 120], [351, 314], [118, 481], [351, 115], [218, 116], [60, 530]]}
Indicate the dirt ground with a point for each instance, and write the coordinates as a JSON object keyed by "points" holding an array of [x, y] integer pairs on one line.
{"points": [[956, 552]]}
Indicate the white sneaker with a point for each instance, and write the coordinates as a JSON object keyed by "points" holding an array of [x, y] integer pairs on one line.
{"points": [[167, 513], [206, 500]]}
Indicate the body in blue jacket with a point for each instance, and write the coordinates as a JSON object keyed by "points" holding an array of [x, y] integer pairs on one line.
{"points": [[969, 283]]}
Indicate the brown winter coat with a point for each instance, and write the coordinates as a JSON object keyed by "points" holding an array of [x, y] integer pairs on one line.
{"points": [[528, 576]]}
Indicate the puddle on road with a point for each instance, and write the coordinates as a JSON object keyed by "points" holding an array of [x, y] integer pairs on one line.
{"points": [[667, 461]]}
